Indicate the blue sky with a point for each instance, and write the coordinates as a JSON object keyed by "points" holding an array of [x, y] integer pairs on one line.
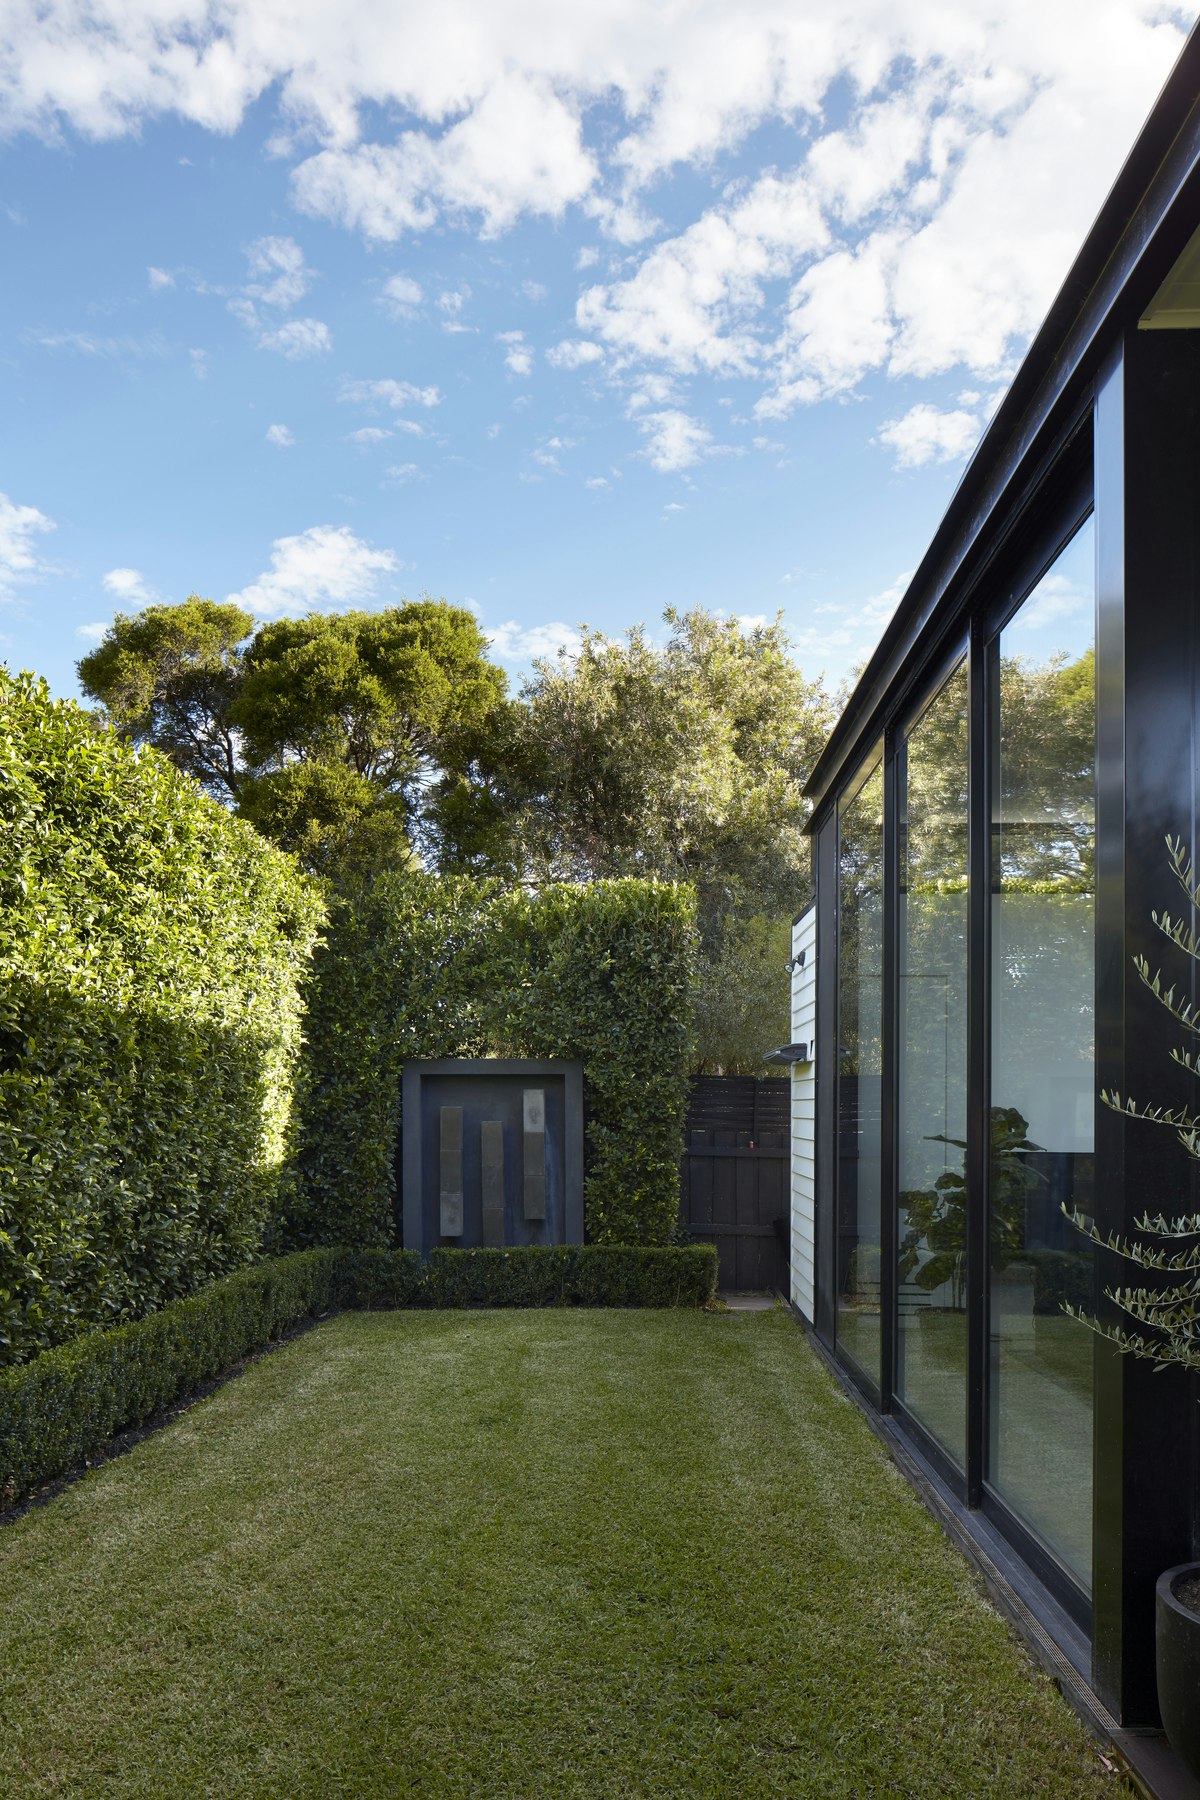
{"points": [[565, 314]]}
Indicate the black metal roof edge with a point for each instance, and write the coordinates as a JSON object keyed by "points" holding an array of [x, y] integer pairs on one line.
{"points": [[1065, 346]]}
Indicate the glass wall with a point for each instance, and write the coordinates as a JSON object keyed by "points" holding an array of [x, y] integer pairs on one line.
{"points": [[860, 1069], [1043, 839], [931, 1046]]}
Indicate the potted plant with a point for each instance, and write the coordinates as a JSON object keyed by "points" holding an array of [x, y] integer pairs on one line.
{"points": [[1168, 1309]]}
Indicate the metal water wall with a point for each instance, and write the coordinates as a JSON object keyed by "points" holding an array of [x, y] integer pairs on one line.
{"points": [[492, 1153]]}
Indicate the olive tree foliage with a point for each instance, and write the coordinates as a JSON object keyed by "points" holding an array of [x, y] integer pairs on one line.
{"points": [[685, 761], [336, 735], [682, 761]]}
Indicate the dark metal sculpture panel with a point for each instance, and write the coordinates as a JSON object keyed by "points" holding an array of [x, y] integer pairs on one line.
{"points": [[492, 1153]]}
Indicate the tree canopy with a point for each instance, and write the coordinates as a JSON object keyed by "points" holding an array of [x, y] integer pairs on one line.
{"points": [[169, 676], [683, 761], [364, 741], [330, 733]]}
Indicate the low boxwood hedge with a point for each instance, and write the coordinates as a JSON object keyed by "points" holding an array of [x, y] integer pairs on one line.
{"points": [[61, 1407], [58, 1409], [571, 1275]]}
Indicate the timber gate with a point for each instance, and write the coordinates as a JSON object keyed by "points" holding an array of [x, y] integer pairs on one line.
{"points": [[734, 1177]]}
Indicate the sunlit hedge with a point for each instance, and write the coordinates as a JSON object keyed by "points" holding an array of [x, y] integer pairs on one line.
{"points": [[421, 967], [152, 951]]}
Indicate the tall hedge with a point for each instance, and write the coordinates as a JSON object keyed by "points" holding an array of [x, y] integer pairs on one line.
{"points": [[428, 967], [152, 951]]}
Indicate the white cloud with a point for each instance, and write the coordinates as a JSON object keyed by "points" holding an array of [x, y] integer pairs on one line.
{"points": [[693, 303], [92, 634], [652, 390], [279, 275], [674, 440], [396, 394], [158, 279], [279, 279], [1055, 598], [942, 165], [281, 436], [853, 629], [517, 151], [522, 643], [298, 339], [318, 570], [150, 345], [369, 434], [926, 435], [573, 353], [402, 296], [20, 526], [518, 358], [596, 481], [401, 472], [534, 290], [128, 587]]}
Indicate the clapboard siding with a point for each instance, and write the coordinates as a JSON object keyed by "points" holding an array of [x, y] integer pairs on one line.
{"points": [[804, 1096]]}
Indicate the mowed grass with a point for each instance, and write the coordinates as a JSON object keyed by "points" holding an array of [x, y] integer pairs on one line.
{"points": [[515, 1553]]}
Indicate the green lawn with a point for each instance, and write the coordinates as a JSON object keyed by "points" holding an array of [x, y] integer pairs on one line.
{"points": [[518, 1553]]}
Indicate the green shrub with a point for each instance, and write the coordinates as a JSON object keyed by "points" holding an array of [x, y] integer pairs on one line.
{"points": [[421, 967], [379, 1278], [571, 1275], [63, 1405], [151, 956]]}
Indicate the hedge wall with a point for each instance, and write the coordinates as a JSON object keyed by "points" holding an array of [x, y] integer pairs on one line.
{"points": [[427, 967], [152, 951]]}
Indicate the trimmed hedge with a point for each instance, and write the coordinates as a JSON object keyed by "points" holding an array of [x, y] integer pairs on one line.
{"points": [[152, 950], [60, 1408], [561, 1275], [63, 1406], [426, 967]]}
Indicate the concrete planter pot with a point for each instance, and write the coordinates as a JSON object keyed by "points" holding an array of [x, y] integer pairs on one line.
{"points": [[1178, 1654]]}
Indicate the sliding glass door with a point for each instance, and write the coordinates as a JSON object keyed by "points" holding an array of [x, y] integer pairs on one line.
{"points": [[965, 1065], [1043, 892], [860, 1069], [931, 1063]]}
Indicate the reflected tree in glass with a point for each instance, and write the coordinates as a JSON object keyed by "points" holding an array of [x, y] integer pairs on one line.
{"points": [[931, 1332], [1042, 1054], [860, 1066]]}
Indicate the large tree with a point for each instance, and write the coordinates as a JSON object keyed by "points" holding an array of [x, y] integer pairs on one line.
{"points": [[684, 760], [331, 733], [169, 676]]}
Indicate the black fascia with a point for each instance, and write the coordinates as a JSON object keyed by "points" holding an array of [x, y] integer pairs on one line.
{"points": [[1147, 219]]}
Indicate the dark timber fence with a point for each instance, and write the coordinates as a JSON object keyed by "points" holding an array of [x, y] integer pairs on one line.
{"points": [[734, 1177]]}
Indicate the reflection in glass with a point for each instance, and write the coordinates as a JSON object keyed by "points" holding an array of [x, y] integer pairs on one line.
{"points": [[860, 1044], [931, 1317], [1043, 957]]}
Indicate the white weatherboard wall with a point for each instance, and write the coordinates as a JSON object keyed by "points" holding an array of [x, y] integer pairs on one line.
{"points": [[804, 1115]]}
